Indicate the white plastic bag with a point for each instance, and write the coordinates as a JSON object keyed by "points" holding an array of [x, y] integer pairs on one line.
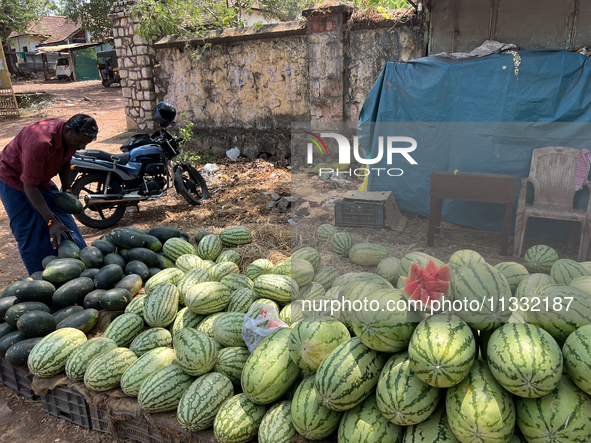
{"points": [[260, 320], [210, 168], [233, 154]]}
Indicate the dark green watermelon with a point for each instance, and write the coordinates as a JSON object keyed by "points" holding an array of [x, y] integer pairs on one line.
{"points": [[36, 324], [18, 354]]}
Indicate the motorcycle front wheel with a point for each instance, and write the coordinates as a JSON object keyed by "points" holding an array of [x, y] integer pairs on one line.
{"points": [[190, 184], [98, 216]]}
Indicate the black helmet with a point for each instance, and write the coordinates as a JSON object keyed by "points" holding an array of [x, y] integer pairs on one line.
{"points": [[165, 113]]}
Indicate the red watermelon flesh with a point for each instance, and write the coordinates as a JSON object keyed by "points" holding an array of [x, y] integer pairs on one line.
{"points": [[427, 284]]}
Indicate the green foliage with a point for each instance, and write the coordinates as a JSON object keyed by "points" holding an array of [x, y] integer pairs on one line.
{"points": [[16, 15], [94, 16], [186, 132]]}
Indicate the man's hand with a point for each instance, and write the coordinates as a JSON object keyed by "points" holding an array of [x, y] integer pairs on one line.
{"points": [[55, 232], [55, 227]]}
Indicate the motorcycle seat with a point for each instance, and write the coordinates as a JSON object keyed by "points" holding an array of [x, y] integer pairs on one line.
{"points": [[102, 155]]}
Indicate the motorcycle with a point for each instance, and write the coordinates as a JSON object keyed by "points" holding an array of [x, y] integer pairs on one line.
{"points": [[107, 184]]}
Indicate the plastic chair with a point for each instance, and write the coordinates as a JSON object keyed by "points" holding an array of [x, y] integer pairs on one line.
{"points": [[552, 174]]}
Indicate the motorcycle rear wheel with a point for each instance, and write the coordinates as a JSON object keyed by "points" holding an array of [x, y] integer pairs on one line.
{"points": [[98, 216], [190, 184]]}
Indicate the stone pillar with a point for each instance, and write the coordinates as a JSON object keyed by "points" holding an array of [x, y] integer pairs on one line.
{"points": [[135, 58], [327, 21]]}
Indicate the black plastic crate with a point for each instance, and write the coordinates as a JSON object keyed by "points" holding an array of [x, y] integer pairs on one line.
{"points": [[17, 379], [68, 405], [367, 214]]}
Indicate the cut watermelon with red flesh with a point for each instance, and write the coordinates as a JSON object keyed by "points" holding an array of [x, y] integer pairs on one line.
{"points": [[427, 284]]}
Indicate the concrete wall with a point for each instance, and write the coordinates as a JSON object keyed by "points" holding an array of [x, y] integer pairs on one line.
{"points": [[250, 85]]}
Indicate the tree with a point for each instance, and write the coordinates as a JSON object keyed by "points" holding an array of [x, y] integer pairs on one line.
{"points": [[17, 15], [93, 15]]}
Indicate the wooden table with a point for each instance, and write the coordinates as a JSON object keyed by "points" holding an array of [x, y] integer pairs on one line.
{"points": [[488, 188]]}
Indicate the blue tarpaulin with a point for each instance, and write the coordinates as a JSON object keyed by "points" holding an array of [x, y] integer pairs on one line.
{"points": [[476, 115]]}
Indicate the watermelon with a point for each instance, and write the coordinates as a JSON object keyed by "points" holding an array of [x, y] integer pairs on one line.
{"points": [[196, 352], [366, 420], [238, 420], [464, 257], [162, 305], [227, 329], [325, 232], [190, 279], [124, 329], [341, 243], [150, 339], [560, 416], [105, 372], [513, 272], [206, 325], [136, 306], [420, 258], [237, 281], [531, 282], [388, 268], [79, 361], [209, 247], [174, 247], [367, 254], [162, 390], [524, 359], [241, 300], [540, 259], [285, 314], [187, 262], [478, 408], [269, 371], [310, 254], [276, 426], [229, 255], [577, 357], [313, 339], [186, 318], [207, 298], [348, 375], [230, 362], [583, 283], [433, 430], [202, 400], [143, 367], [221, 270], [310, 292], [442, 350], [326, 276], [302, 271], [169, 275], [427, 284], [276, 287], [259, 267], [402, 397], [310, 418], [236, 236], [49, 356], [565, 270]]}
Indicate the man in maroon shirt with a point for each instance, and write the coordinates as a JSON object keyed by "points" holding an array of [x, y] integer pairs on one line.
{"points": [[38, 153]]}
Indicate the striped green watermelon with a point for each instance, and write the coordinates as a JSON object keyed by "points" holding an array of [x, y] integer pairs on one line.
{"points": [[310, 418], [487, 295], [241, 300], [259, 267], [227, 329], [150, 339], [196, 352], [464, 257], [539, 259], [310, 254], [269, 371], [420, 258], [207, 298], [190, 279], [568, 309], [348, 375], [162, 306], [313, 339], [386, 329], [169, 275], [84, 355], [208, 264], [209, 247], [229, 255], [583, 283], [326, 276], [442, 350], [402, 397], [276, 287], [561, 416], [565, 270], [577, 357], [136, 306], [49, 356], [236, 236], [186, 318], [174, 247], [341, 242], [124, 329], [433, 430], [221, 270], [276, 426], [524, 359], [365, 278], [310, 291], [479, 409], [202, 400], [143, 367], [105, 372], [532, 282], [206, 325], [302, 271], [238, 420], [367, 254], [586, 265], [285, 314], [365, 423], [333, 293], [230, 362], [325, 232], [513, 272], [284, 267], [388, 268], [188, 262], [162, 390], [237, 281]]}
